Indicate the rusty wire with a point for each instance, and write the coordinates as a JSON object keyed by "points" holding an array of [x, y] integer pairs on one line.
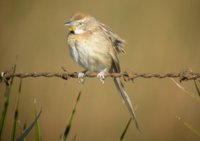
{"points": [[126, 75]]}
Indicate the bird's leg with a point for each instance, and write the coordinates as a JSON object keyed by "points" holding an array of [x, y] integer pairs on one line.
{"points": [[101, 75], [81, 76]]}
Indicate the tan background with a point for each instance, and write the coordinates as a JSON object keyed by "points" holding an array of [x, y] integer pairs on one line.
{"points": [[162, 35]]}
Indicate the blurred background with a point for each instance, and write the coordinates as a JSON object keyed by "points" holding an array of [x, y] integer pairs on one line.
{"points": [[163, 36]]}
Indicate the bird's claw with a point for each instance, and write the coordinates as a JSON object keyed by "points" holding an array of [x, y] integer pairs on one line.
{"points": [[101, 75], [81, 76], [2, 76]]}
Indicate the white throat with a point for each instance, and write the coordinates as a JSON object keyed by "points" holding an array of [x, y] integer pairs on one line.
{"points": [[79, 31]]}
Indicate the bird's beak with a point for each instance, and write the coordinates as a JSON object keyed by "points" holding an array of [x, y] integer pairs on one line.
{"points": [[70, 25]]}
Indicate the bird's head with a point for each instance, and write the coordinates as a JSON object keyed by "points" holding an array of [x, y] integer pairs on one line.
{"points": [[80, 22]]}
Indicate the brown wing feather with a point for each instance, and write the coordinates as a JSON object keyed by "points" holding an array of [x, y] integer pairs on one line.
{"points": [[117, 42]]}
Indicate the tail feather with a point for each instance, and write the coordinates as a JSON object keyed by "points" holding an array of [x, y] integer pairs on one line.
{"points": [[126, 100]]}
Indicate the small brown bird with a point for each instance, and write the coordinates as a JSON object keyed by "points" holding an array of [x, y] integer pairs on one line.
{"points": [[95, 47]]}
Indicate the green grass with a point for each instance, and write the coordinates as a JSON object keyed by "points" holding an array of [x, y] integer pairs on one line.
{"points": [[6, 102], [188, 126], [125, 129], [68, 127], [16, 114], [37, 128], [7, 93], [29, 128], [197, 88]]}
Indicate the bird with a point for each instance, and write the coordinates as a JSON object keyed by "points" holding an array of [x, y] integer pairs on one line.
{"points": [[95, 47]]}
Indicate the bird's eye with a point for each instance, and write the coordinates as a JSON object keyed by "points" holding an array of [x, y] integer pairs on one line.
{"points": [[80, 23]]}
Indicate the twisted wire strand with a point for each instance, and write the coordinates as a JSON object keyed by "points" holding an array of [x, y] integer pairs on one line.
{"points": [[126, 75]]}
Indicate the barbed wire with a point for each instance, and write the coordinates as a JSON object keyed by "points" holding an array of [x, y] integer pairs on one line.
{"points": [[126, 75]]}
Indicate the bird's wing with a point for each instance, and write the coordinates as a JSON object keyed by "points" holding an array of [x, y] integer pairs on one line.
{"points": [[117, 42]]}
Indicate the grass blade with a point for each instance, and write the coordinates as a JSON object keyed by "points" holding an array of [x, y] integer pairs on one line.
{"points": [[37, 128], [13, 132], [197, 88], [189, 126], [6, 102], [125, 130], [192, 129], [193, 95], [29, 128], [68, 127], [74, 138]]}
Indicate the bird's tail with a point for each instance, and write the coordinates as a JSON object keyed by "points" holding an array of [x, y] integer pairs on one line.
{"points": [[126, 99]]}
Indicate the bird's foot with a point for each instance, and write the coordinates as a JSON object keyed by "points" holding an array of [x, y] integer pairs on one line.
{"points": [[101, 75], [81, 76]]}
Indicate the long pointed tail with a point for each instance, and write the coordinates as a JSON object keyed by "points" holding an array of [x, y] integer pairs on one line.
{"points": [[126, 99]]}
